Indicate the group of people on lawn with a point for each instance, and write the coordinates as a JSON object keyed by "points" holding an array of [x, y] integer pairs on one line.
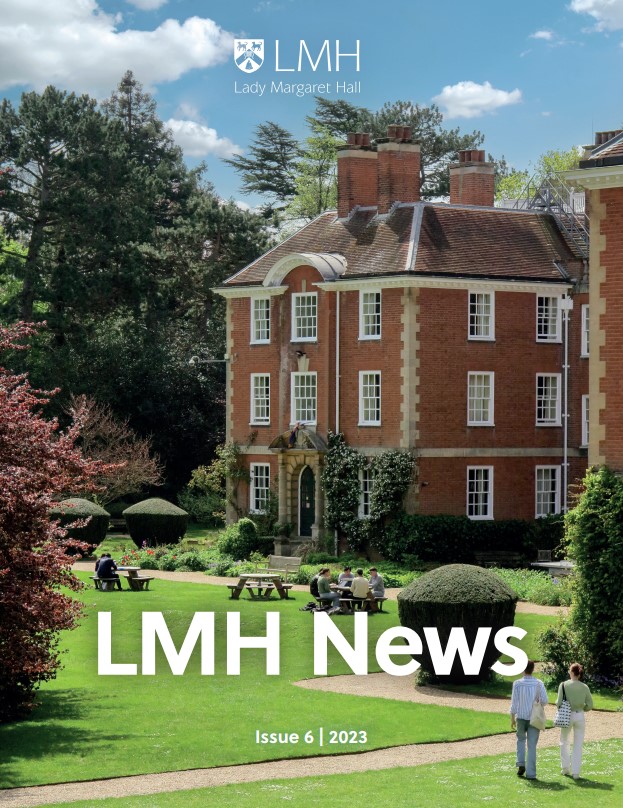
{"points": [[529, 690], [352, 586]]}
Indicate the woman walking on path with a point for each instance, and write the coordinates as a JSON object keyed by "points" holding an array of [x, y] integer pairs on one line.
{"points": [[526, 691], [579, 697]]}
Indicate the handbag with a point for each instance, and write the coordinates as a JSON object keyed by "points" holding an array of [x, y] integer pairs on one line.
{"points": [[563, 713], [537, 715]]}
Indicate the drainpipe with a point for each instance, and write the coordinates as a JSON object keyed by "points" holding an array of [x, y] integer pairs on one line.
{"points": [[337, 361], [337, 383], [566, 305]]}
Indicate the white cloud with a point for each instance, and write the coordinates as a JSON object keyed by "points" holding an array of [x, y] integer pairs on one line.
{"points": [[547, 35], [198, 140], [469, 100], [148, 5], [187, 111], [74, 44], [608, 13]]}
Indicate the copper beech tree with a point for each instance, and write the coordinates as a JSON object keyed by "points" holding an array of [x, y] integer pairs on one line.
{"points": [[38, 462]]}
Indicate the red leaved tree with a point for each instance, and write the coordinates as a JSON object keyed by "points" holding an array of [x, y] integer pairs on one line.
{"points": [[38, 462]]}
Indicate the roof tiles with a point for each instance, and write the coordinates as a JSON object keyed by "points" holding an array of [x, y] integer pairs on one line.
{"points": [[449, 240]]}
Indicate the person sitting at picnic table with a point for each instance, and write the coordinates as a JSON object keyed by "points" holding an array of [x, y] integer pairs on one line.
{"points": [[360, 589], [377, 585], [106, 568], [325, 592], [345, 577]]}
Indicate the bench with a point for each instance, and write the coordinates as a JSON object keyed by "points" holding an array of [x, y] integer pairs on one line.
{"points": [[348, 604], [138, 582], [498, 558], [106, 584], [117, 525], [283, 565]]}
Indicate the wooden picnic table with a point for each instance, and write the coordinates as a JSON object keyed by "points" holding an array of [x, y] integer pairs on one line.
{"points": [[260, 586], [135, 581]]}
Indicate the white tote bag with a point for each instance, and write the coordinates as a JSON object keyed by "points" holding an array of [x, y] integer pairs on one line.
{"points": [[537, 715]]}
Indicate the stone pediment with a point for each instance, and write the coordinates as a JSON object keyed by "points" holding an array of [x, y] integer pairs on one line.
{"points": [[305, 440]]}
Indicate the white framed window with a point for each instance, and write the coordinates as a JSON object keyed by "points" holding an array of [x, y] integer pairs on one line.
{"points": [[369, 397], [481, 316], [305, 317], [260, 398], [366, 483], [259, 487], [369, 315], [480, 492], [548, 399], [303, 398], [585, 413], [548, 319], [547, 487], [260, 320], [480, 398], [585, 313]]}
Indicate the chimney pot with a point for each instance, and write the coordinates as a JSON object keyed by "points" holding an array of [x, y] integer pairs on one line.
{"points": [[391, 131], [365, 139], [351, 138]]}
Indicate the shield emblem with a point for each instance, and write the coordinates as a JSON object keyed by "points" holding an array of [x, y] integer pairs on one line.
{"points": [[249, 54]]}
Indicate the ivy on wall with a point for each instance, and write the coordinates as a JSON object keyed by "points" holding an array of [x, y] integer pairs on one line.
{"points": [[392, 473]]}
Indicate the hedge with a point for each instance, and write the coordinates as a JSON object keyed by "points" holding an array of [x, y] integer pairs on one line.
{"points": [[456, 539], [74, 508], [457, 595], [155, 521]]}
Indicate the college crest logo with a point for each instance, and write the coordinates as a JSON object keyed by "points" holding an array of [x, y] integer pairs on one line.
{"points": [[249, 54]]}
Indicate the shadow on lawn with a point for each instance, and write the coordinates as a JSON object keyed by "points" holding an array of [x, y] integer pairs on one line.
{"points": [[552, 785], [44, 732]]}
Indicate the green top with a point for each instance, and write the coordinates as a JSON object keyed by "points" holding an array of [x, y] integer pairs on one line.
{"points": [[324, 587], [578, 695]]}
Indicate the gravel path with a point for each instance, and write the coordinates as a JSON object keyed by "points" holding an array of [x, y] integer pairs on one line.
{"points": [[202, 578], [600, 726]]}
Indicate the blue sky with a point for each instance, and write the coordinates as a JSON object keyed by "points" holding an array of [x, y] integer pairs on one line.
{"points": [[530, 75]]}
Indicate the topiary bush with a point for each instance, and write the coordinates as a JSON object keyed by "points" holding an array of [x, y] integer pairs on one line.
{"points": [[74, 508], [155, 521], [241, 538], [457, 595]]}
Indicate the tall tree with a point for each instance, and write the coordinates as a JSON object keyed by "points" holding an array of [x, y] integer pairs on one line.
{"points": [[42, 147], [316, 180], [271, 167]]}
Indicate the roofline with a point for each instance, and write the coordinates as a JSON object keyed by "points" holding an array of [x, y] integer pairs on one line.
{"points": [[272, 249]]}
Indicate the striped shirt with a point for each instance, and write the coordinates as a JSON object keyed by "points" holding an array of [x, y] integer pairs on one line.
{"points": [[525, 692]]}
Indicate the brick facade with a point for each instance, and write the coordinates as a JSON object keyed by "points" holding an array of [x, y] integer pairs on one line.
{"points": [[423, 260]]}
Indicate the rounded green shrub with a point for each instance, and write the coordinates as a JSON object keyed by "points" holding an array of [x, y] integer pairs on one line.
{"points": [[74, 508], [155, 521], [241, 538], [457, 595]]}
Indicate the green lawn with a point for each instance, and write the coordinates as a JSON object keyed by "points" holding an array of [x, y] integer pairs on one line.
{"points": [[105, 726], [455, 784]]}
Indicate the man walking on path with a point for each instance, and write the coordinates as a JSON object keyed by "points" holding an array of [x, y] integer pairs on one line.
{"points": [[526, 691]]}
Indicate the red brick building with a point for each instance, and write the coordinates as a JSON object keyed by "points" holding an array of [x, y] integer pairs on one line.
{"points": [[457, 331]]}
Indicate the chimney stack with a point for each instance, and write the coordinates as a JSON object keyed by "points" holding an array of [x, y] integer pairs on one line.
{"points": [[398, 168], [604, 137], [357, 176], [472, 180]]}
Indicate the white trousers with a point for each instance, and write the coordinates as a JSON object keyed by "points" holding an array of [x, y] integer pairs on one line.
{"points": [[572, 762]]}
